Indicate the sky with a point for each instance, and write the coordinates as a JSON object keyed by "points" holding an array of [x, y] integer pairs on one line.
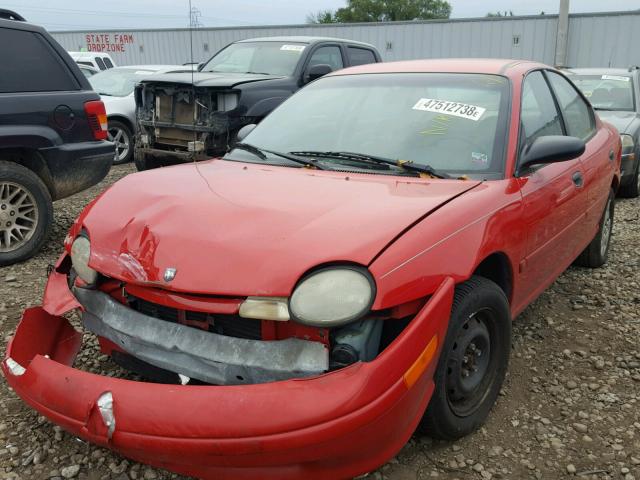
{"points": [[125, 14]]}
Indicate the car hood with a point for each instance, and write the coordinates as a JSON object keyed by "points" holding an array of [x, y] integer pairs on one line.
{"points": [[620, 120], [208, 79], [118, 104], [231, 228]]}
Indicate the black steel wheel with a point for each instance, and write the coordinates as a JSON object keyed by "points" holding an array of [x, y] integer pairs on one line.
{"points": [[473, 362]]}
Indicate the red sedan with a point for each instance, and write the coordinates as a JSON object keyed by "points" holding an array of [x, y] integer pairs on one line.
{"points": [[348, 272]]}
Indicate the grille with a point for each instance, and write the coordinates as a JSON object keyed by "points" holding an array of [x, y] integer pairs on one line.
{"points": [[229, 325]]}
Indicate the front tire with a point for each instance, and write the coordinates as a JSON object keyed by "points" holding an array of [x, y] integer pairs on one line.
{"points": [[473, 362], [597, 252], [26, 213], [121, 135]]}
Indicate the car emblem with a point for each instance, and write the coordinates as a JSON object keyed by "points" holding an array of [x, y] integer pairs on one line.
{"points": [[169, 274]]}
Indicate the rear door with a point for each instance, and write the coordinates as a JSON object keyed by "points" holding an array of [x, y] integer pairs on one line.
{"points": [[553, 194], [598, 157]]}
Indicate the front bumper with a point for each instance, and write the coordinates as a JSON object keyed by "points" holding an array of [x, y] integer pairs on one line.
{"points": [[336, 425], [77, 166]]}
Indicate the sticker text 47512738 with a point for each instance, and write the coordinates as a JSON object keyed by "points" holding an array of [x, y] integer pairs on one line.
{"points": [[457, 109]]}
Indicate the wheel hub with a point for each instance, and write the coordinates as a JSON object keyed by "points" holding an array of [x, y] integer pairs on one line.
{"points": [[18, 216], [468, 365]]}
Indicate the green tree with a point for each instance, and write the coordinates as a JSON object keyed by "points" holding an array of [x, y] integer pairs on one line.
{"points": [[384, 11]]}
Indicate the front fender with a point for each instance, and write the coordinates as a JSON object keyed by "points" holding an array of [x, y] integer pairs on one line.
{"points": [[451, 242], [263, 107]]}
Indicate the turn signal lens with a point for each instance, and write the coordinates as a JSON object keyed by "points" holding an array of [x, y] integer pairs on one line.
{"points": [[416, 370]]}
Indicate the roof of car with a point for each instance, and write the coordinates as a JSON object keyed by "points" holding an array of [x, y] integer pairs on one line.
{"points": [[495, 66], [303, 39], [600, 71]]}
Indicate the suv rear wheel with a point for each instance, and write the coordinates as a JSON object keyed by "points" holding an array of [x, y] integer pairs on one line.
{"points": [[26, 213]]}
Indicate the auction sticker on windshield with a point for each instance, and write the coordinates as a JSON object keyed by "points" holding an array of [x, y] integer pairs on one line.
{"points": [[457, 109], [615, 77], [292, 48]]}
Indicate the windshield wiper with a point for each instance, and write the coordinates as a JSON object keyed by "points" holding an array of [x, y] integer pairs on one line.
{"points": [[257, 73], [363, 157], [105, 94], [261, 153]]}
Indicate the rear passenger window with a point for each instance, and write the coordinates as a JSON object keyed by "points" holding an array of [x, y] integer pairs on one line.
{"points": [[108, 62], [575, 111], [100, 63], [361, 56], [31, 64], [539, 116]]}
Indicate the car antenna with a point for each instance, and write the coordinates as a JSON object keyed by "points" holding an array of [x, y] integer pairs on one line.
{"points": [[193, 86]]}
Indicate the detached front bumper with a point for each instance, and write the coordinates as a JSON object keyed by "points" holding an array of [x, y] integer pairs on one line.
{"points": [[336, 425]]}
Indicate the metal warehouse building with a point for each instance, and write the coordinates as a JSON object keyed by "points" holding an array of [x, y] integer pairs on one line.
{"points": [[600, 39]]}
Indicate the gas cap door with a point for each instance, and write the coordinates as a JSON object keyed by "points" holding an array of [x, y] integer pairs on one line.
{"points": [[64, 117]]}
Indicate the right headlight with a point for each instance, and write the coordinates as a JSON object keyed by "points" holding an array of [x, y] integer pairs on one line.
{"points": [[627, 144], [80, 251], [332, 297]]}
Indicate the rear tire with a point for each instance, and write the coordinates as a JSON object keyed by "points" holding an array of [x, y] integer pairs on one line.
{"points": [[473, 362], [597, 252], [26, 213], [144, 162], [121, 135]]}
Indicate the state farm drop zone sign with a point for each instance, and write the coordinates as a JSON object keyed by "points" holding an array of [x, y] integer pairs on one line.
{"points": [[108, 42]]}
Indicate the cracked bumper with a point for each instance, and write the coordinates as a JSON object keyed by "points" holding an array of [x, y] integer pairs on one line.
{"points": [[336, 425]]}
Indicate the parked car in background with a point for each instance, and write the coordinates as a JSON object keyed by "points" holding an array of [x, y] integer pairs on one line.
{"points": [[615, 94], [99, 60], [52, 135], [87, 70], [115, 87], [348, 272], [184, 117]]}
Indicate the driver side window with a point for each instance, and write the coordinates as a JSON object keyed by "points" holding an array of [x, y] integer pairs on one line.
{"points": [[539, 115], [329, 55]]}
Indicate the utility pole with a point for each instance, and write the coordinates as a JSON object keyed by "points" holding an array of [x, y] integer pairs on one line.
{"points": [[562, 35]]}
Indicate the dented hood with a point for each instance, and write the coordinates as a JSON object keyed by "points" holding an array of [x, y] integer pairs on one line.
{"points": [[231, 228]]}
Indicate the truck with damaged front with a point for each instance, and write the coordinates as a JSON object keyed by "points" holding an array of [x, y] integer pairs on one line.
{"points": [[189, 116]]}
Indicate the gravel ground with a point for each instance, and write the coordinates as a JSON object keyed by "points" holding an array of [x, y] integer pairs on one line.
{"points": [[570, 406]]}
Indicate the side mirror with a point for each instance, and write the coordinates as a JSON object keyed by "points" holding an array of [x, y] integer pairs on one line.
{"points": [[244, 131], [316, 71], [551, 149]]}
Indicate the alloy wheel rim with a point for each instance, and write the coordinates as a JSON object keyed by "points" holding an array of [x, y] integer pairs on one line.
{"points": [[471, 364], [122, 142], [606, 230], [18, 216]]}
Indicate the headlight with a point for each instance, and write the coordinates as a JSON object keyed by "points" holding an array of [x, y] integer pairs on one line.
{"points": [[80, 250], [332, 297], [627, 144]]}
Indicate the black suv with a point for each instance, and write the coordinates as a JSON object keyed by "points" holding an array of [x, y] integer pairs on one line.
{"points": [[52, 135], [190, 116]]}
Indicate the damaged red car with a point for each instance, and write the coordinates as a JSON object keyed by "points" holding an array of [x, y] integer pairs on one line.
{"points": [[346, 274]]}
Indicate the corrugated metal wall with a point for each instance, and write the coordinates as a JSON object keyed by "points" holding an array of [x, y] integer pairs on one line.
{"points": [[594, 39]]}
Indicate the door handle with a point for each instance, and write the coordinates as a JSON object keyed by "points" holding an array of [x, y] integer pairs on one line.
{"points": [[611, 155], [577, 178]]}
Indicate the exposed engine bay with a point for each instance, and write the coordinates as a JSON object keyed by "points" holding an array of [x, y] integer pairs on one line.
{"points": [[181, 123]]}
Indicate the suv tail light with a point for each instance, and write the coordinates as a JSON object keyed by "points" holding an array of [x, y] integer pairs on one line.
{"points": [[97, 117]]}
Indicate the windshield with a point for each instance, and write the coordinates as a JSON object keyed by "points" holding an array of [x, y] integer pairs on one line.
{"points": [[118, 82], [606, 92], [454, 123], [272, 58]]}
